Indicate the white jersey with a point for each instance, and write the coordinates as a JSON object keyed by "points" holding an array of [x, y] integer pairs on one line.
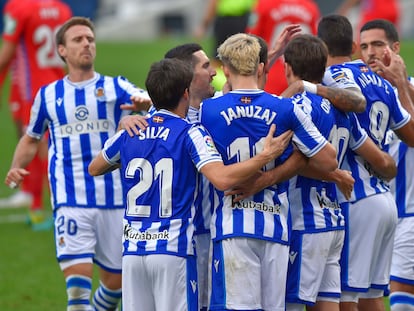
{"points": [[80, 118], [383, 112]]}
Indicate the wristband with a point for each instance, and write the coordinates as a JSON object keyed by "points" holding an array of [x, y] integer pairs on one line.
{"points": [[309, 87]]}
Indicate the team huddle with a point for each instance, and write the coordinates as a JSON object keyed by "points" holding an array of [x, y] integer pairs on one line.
{"points": [[238, 200]]}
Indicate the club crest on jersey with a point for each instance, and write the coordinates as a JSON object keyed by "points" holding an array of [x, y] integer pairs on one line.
{"points": [[246, 99], [157, 119], [100, 93], [81, 113], [62, 242]]}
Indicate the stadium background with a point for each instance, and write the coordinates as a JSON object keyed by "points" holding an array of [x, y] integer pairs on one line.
{"points": [[129, 38]]}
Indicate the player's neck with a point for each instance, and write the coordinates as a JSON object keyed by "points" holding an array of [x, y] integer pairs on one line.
{"points": [[81, 75], [334, 60], [239, 82]]}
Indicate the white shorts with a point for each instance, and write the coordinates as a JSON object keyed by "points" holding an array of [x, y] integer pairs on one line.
{"points": [[89, 234], [314, 269], [248, 274], [369, 240], [202, 246], [402, 267], [159, 282]]}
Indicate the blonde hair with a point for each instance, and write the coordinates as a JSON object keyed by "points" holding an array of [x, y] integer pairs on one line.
{"points": [[240, 52]]}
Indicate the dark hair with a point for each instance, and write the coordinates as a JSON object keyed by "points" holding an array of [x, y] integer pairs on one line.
{"points": [[263, 49], [167, 81], [336, 31], [185, 52], [391, 32], [307, 56]]}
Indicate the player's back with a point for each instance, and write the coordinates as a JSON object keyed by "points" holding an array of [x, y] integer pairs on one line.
{"points": [[314, 205], [383, 111], [32, 25], [238, 123], [160, 166]]}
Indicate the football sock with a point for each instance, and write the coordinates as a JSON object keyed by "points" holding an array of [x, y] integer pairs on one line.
{"points": [[401, 301], [78, 288], [106, 299]]}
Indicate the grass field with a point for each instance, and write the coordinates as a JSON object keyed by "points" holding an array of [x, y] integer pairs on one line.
{"points": [[30, 279]]}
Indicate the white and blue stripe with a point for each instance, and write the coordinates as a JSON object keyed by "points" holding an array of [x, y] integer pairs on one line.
{"points": [[80, 118]]}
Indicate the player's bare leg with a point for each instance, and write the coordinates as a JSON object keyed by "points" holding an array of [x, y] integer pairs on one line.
{"points": [[371, 304], [324, 306], [348, 306]]}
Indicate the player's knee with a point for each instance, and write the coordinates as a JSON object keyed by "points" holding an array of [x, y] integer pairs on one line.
{"points": [[78, 289]]}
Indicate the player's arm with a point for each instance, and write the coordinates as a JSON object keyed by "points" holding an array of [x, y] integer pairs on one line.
{"points": [[25, 151], [380, 162], [262, 180], [224, 177], [279, 48], [100, 165], [347, 100], [7, 52]]}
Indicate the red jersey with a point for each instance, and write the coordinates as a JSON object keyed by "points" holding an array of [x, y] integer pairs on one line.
{"points": [[268, 20], [386, 9], [32, 25]]}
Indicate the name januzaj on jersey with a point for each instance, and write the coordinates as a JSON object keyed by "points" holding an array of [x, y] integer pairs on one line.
{"points": [[248, 112]]}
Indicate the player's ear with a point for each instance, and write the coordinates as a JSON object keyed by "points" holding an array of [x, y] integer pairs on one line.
{"points": [[354, 47], [395, 47], [288, 70], [61, 51], [226, 71]]}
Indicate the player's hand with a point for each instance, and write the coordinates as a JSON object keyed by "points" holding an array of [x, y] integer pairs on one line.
{"points": [[275, 146], [295, 87], [345, 182], [139, 103], [133, 124], [251, 186], [392, 67], [285, 36], [15, 176]]}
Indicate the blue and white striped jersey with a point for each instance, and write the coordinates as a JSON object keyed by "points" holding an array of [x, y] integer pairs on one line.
{"points": [[238, 123], [314, 203], [383, 112], [80, 118], [207, 197], [402, 186], [159, 173]]}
